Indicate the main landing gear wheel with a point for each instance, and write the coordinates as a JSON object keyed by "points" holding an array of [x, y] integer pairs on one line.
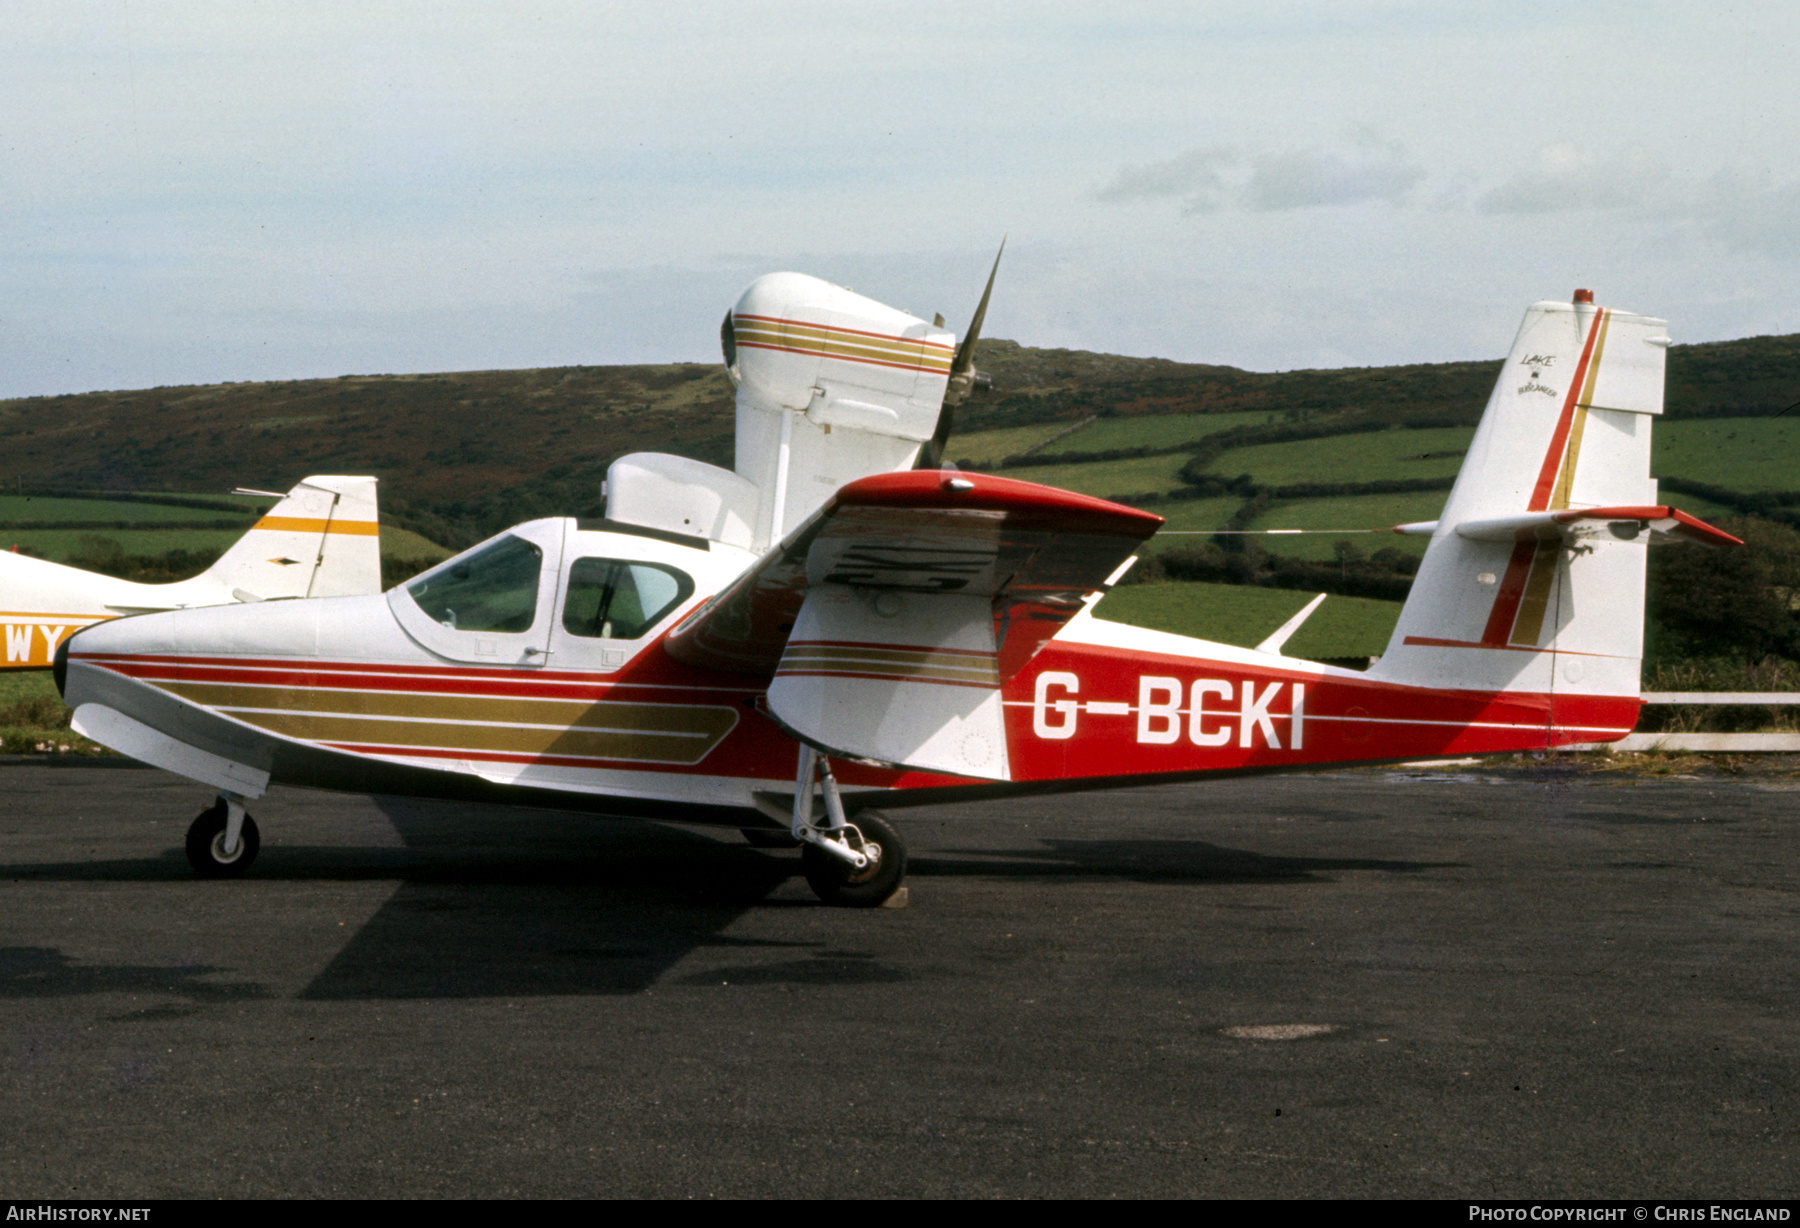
{"points": [[836, 881], [206, 845]]}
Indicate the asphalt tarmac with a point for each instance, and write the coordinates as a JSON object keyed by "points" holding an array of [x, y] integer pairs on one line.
{"points": [[1515, 982]]}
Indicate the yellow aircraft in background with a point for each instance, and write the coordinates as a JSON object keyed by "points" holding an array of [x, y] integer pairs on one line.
{"points": [[321, 540]]}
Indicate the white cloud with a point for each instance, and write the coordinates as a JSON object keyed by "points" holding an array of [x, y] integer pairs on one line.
{"points": [[1272, 180], [1565, 177], [1741, 210]]}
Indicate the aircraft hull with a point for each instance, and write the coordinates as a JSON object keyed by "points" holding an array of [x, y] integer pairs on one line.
{"points": [[660, 739]]}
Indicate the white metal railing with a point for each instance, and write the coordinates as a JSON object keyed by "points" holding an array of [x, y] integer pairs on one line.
{"points": [[1737, 743], [1721, 697]]}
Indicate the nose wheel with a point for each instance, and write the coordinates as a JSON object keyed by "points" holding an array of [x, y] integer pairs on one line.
{"points": [[223, 841]]}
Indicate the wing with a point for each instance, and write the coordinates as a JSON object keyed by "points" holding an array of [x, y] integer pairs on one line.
{"points": [[890, 619]]}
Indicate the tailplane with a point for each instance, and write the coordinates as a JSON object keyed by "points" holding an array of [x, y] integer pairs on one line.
{"points": [[322, 540], [1534, 578]]}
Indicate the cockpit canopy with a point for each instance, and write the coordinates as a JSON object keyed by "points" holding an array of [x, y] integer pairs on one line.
{"points": [[554, 588]]}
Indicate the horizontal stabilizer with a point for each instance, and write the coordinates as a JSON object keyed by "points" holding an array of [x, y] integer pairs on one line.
{"points": [[1624, 523]]}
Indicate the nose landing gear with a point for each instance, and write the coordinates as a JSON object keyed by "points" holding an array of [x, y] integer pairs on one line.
{"points": [[223, 841]]}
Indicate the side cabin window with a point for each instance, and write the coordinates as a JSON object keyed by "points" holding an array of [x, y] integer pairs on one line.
{"points": [[493, 589], [614, 600]]}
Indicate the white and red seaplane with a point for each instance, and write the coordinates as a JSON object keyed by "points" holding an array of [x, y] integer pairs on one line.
{"points": [[841, 625]]}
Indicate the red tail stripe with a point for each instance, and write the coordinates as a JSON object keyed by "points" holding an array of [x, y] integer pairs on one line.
{"points": [[1540, 494], [1512, 591]]}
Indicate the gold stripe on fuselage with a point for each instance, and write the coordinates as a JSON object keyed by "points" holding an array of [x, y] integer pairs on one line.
{"points": [[928, 666], [839, 344], [605, 729], [631, 745]]}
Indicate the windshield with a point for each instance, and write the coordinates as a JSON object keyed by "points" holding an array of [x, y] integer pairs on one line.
{"points": [[493, 588]]}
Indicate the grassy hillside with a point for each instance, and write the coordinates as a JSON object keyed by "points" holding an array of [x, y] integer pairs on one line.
{"points": [[463, 454], [1349, 512], [87, 547], [1740, 453], [1378, 456], [1343, 627]]}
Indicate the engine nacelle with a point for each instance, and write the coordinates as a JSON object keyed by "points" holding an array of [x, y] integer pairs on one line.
{"points": [[832, 387]]}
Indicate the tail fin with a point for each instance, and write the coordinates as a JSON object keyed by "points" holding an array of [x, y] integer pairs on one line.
{"points": [[322, 540], [1534, 579]]}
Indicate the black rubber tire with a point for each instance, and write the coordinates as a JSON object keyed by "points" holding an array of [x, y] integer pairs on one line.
{"points": [[769, 838], [208, 833], [836, 882]]}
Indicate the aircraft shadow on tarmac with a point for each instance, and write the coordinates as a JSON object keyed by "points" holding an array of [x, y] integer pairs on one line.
{"points": [[616, 918], [1148, 861], [42, 972], [496, 903]]}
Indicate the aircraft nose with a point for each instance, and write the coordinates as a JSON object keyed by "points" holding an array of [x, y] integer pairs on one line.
{"points": [[92, 664]]}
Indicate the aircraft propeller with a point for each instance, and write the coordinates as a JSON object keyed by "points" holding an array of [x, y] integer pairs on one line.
{"points": [[963, 377]]}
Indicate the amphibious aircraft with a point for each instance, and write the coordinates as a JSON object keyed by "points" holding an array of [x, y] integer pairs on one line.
{"points": [[841, 624], [320, 540]]}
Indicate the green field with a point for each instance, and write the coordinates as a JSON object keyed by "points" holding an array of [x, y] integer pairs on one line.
{"points": [[1100, 435], [405, 544], [1136, 476], [1184, 519], [15, 508], [1349, 512], [1229, 614], [1151, 431], [1694, 505], [33, 718], [1737, 453], [61, 545], [989, 446], [23, 684], [1376, 456]]}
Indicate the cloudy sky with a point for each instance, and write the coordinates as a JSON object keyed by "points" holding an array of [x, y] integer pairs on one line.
{"points": [[195, 192]]}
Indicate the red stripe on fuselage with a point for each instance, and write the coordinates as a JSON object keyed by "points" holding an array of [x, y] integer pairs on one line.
{"points": [[565, 684], [854, 332]]}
